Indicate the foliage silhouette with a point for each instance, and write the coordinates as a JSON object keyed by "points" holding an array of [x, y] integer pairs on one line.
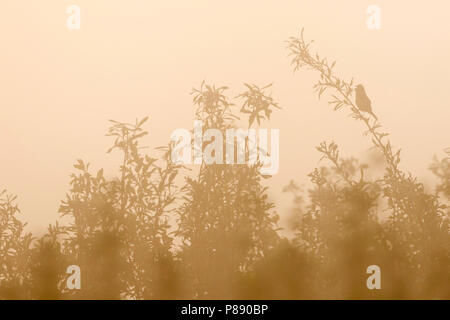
{"points": [[157, 231], [412, 245], [226, 222]]}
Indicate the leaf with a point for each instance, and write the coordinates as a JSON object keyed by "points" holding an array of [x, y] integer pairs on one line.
{"points": [[172, 176], [80, 165], [252, 118], [140, 135], [100, 174], [142, 122]]}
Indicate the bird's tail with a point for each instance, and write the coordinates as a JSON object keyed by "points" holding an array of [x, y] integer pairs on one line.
{"points": [[376, 118]]}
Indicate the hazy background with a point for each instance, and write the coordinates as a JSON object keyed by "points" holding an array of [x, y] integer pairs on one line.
{"points": [[135, 58]]}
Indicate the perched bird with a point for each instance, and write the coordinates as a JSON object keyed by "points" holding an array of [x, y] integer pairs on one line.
{"points": [[362, 101]]}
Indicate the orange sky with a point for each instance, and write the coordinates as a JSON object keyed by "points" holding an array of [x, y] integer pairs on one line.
{"points": [[135, 58]]}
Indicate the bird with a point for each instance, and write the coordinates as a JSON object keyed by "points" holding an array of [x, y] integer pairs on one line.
{"points": [[362, 100]]}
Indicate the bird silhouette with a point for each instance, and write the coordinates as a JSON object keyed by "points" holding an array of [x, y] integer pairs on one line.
{"points": [[362, 101]]}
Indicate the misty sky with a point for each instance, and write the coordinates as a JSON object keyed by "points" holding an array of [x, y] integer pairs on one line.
{"points": [[136, 58]]}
